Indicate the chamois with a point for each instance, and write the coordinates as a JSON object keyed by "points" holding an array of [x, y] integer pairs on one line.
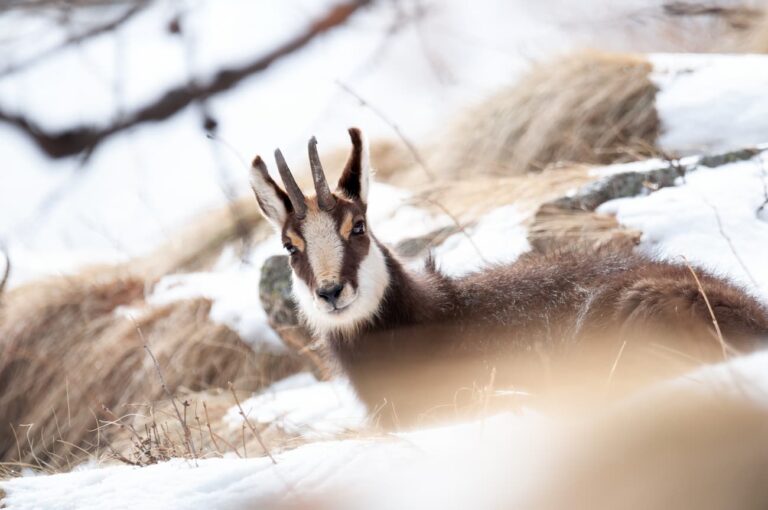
{"points": [[421, 342]]}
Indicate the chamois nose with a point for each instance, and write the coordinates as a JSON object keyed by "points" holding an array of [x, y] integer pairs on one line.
{"points": [[330, 293]]}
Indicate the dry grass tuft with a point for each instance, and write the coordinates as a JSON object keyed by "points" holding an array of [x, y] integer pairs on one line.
{"points": [[468, 199], [586, 107], [755, 39], [554, 228], [69, 352]]}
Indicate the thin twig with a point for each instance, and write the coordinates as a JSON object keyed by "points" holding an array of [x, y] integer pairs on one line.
{"points": [[615, 364], [723, 344], [255, 431], [410, 145], [187, 433], [416, 156], [210, 430], [764, 179], [731, 246], [458, 224]]}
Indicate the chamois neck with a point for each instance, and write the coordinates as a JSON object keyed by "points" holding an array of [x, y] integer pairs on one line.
{"points": [[410, 297]]}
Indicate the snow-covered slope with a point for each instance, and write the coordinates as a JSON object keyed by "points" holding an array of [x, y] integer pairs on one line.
{"points": [[140, 185], [455, 466]]}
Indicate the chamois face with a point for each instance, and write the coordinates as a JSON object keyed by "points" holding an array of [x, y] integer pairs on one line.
{"points": [[339, 273]]}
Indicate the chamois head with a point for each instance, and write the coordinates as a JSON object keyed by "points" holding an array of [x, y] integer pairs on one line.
{"points": [[339, 271]]}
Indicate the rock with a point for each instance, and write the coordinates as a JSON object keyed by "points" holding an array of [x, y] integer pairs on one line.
{"points": [[418, 246], [275, 292], [633, 183], [278, 303], [571, 219]]}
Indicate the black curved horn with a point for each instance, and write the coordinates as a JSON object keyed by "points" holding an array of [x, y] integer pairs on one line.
{"points": [[293, 190], [325, 199]]}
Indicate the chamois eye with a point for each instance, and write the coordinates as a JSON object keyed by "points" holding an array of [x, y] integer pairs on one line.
{"points": [[290, 248], [358, 228]]}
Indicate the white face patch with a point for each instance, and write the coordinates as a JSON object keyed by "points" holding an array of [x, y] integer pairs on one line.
{"points": [[360, 308], [324, 247]]}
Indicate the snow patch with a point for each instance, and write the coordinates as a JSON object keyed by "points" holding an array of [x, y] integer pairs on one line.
{"points": [[233, 288], [301, 405], [498, 237], [711, 218], [711, 103]]}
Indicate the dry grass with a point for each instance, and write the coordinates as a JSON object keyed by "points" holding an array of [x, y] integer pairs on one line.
{"points": [[68, 352], [553, 228], [586, 107], [755, 39], [470, 197]]}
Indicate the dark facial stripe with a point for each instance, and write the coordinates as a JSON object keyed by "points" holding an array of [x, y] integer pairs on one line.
{"points": [[299, 261], [356, 247]]}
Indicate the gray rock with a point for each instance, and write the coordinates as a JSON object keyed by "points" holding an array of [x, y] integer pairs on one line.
{"points": [[419, 246], [630, 184], [275, 291]]}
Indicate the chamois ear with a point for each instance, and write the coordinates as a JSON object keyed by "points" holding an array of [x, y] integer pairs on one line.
{"points": [[355, 180], [273, 201]]}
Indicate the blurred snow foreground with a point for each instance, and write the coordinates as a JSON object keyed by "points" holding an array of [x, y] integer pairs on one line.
{"points": [[498, 462], [714, 216]]}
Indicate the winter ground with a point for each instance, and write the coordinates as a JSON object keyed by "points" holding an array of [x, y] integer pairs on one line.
{"points": [[57, 216], [713, 217]]}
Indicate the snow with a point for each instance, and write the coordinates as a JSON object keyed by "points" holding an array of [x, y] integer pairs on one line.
{"points": [[233, 288], [212, 483], [392, 215], [344, 470], [498, 237], [711, 219], [303, 406], [711, 103]]}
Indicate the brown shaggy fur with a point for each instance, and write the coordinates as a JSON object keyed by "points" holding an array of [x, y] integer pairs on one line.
{"points": [[67, 351], [586, 107], [546, 323]]}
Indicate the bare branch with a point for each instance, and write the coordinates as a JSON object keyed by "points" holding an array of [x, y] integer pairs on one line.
{"points": [[76, 39], [84, 138]]}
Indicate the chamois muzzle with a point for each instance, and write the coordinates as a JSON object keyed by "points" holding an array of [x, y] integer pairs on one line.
{"points": [[325, 198], [330, 293], [294, 192]]}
